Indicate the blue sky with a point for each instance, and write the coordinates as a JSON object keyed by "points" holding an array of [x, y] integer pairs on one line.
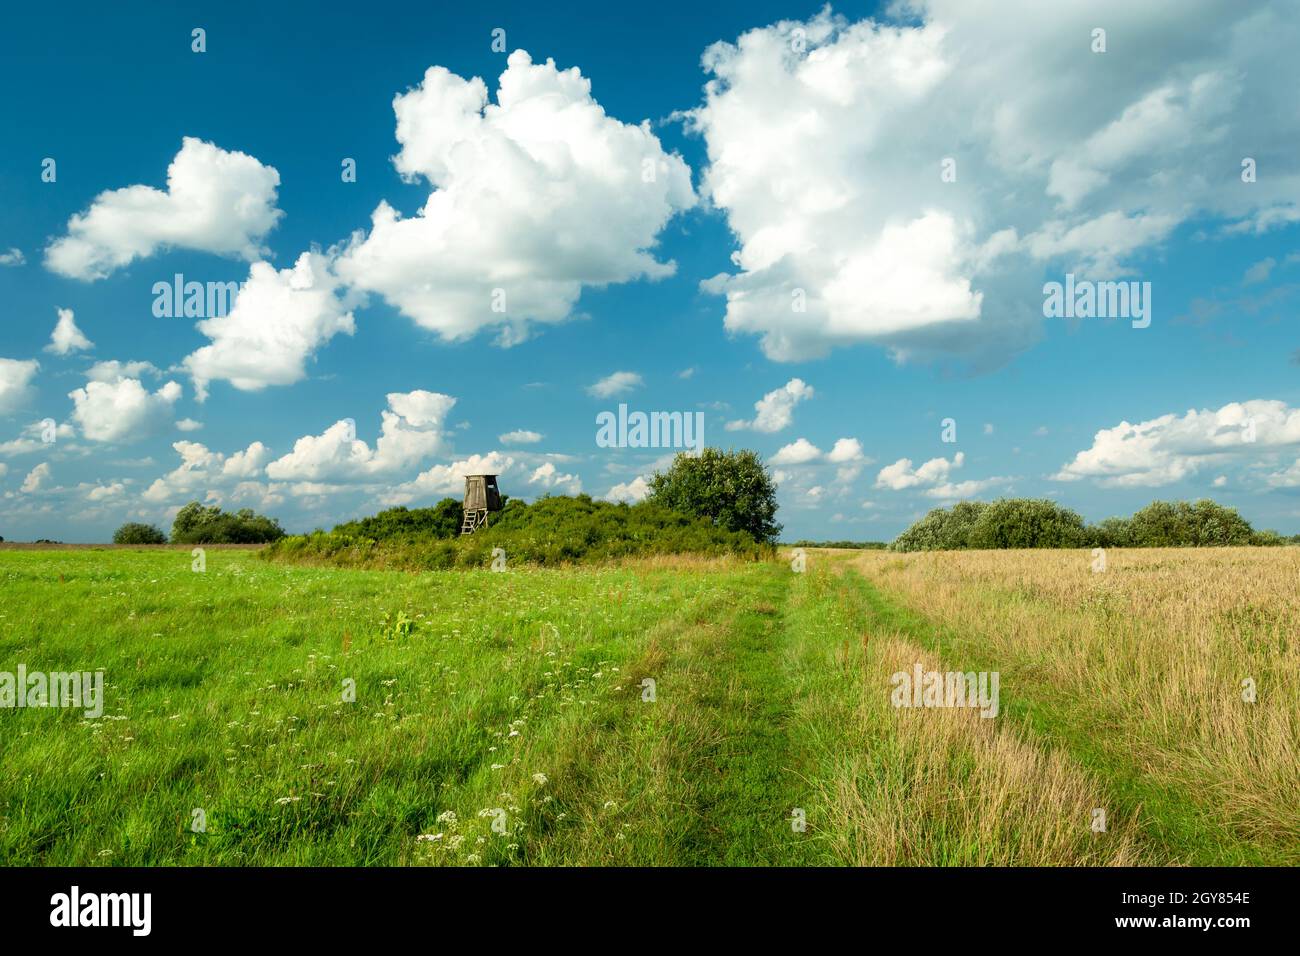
{"points": [[812, 168]]}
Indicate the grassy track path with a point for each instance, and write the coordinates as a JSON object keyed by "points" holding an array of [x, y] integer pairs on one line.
{"points": [[706, 774]]}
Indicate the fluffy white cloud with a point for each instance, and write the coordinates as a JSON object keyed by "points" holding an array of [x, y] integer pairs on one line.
{"points": [[535, 196], [99, 492], [901, 474], [216, 201], [845, 450], [412, 430], [202, 472], [629, 491], [36, 478], [799, 452], [188, 425], [932, 478], [520, 437], [829, 141], [14, 257], [846, 454], [617, 383], [775, 410], [1172, 447], [278, 321], [123, 410], [549, 477], [246, 463], [15, 383], [66, 337]]}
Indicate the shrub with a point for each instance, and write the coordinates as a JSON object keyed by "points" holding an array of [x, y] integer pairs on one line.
{"points": [[133, 532], [1173, 524], [943, 529], [1112, 533], [1027, 523], [441, 521], [1268, 539], [196, 524], [1037, 523], [731, 489]]}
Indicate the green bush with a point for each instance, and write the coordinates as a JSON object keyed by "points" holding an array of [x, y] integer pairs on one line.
{"points": [[135, 533], [1039, 523], [441, 521], [1268, 539], [551, 531], [943, 529], [1112, 533], [1027, 523], [1173, 524], [196, 524], [731, 489]]}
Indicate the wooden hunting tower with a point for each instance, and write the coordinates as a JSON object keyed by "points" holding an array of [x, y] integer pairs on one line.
{"points": [[481, 496]]}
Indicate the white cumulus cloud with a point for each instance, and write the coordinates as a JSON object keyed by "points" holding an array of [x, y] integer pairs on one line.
{"points": [[932, 478], [36, 478], [520, 437], [66, 337], [215, 201], [202, 472], [412, 429], [535, 196], [279, 320], [799, 452], [123, 410], [890, 182], [629, 491], [1170, 448], [548, 476], [775, 410], [616, 383]]}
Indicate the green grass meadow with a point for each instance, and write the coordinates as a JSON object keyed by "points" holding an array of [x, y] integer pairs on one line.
{"points": [[502, 719]]}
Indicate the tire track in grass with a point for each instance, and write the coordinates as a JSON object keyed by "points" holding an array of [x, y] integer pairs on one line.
{"points": [[1169, 826], [704, 774], [749, 785]]}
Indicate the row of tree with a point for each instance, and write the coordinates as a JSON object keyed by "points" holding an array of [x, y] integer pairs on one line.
{"points": [[196, 524], [1040, 523]]}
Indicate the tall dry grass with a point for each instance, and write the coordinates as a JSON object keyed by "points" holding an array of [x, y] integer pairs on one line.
{"points": [[1155, 649], [943, 786]]}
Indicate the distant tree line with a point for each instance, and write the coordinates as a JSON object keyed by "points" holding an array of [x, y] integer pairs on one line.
{"points": [[196, 524], [847, 545], [1041, 523]]}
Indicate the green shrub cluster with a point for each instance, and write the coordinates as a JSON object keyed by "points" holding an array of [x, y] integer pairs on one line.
{"points": [[133, 532], [551, 531], [196, 524], [1040, 523], [441, 521]]}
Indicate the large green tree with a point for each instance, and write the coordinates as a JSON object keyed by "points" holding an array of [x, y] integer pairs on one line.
{"points": [[732, 489]]}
